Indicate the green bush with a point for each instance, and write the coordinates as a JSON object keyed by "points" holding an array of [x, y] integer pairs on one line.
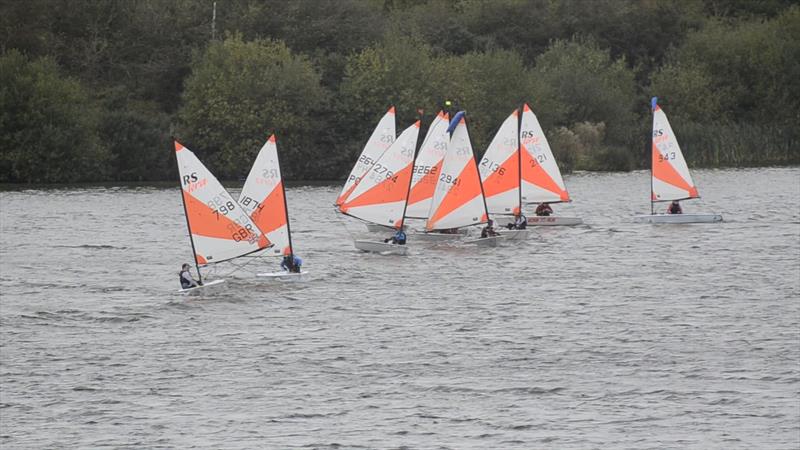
{"points": [[48, 125], [241, 92]]}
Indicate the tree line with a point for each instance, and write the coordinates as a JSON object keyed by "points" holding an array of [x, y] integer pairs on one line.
{"points": [[96, 90]]}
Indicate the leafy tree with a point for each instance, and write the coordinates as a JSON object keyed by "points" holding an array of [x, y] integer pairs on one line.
{"points": [[582, 83], [241, 92], [48, 125]]}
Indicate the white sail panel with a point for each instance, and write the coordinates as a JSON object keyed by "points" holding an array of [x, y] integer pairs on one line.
{"points": [[263, 198], [380, 196], [499, 169], [427, 167], [458, 199], [220, 227], [382, 137], [671, 177], [541, 178]]}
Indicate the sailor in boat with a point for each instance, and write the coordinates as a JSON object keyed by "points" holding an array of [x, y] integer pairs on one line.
{"points": [[488, 230], [291, 263], [544, 209], [399, 238], [186, 278], [520, 222], [674, 208]]}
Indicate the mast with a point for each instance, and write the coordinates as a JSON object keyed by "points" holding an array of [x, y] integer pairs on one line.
{"points": [[653, 103], [480, 182], [191, 239], [417, 145], [285, 205], [519, 156]]}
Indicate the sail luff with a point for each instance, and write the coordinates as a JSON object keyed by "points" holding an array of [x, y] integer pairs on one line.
{"points": [[189, 227], [285, 203]]}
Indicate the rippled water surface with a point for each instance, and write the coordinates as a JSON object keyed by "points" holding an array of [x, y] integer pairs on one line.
{"points": [[608, 335]]}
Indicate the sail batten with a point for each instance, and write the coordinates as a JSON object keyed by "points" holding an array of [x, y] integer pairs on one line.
{"points": [[220, 228]]}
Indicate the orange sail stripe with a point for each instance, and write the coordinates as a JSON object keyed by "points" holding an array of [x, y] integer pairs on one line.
{"points": [[344, 196], [200, 259], [204, 222], [533, 173], [664, 171], [178, 146], [271, 213], [497, 184], [392, 189], [468, 187], [426, 185]]}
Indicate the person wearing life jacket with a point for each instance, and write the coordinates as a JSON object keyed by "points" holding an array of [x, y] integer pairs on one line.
{"points": [[544, 209], [488, 230], [186, 278], [291, 263], [399, 238], [674, 208], [520, 222]]}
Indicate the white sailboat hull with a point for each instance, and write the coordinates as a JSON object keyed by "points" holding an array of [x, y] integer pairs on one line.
{"points": [[514, 235], [678, 218], [554, 221], [209, 286], [437, 237], [283, 275], [380, 247], [491, 241]]}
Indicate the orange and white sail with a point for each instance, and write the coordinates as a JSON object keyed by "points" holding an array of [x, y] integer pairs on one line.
{"points": [[458, 199], [264, 199], [499, 169], [541, 179], [382, 137], [427, 167], [220, 228], [671, 177], [380, 196]]}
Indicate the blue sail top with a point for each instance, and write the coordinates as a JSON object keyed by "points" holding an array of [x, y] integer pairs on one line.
{"points": [[454, 122]]}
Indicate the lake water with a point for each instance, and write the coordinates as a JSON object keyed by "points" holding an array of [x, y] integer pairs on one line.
{"points": [[608, 335]]}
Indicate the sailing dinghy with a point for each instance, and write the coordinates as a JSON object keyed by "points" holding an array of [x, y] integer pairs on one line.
{"points": [[381, 195], [541, 177], [501, 175], [427, 167], [219, 228], [263, 198], [670, 178], [458, 200]]}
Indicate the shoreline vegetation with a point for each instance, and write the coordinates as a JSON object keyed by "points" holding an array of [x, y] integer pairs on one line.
{"points": [[97, 93]]}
